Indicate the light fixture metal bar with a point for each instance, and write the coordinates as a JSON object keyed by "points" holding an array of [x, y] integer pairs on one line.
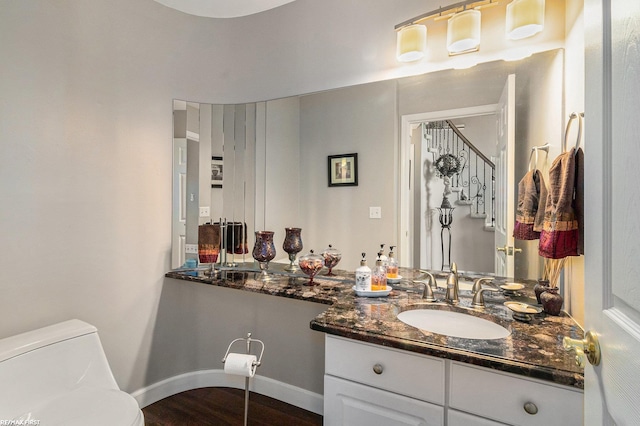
{"points": [[442, 10]]}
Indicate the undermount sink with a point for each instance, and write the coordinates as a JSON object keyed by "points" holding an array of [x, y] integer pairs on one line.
{"points": [[454, 324]]}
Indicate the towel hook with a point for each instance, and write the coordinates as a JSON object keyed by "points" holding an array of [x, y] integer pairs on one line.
{"points": [[572, 117], [535, 150]]}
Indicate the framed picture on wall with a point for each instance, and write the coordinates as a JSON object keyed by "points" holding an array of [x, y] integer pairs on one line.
{"points": [[343, 170], [216, 172]]}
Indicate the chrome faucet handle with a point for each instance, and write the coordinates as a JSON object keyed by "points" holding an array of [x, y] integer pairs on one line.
{"points": [[478, 298], [477, 284]]}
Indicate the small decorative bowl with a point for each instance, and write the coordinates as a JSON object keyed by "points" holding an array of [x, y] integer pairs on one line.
{"points": [[522, 311], [511, 289]]}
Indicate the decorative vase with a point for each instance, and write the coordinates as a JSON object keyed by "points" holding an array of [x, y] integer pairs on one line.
{"points": [[551, 301], [331, 258], [311, 264], [264, 251], [292, 245], [539, 288]]}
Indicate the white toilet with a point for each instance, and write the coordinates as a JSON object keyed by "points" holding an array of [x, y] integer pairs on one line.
{"points": [[59, 375]]}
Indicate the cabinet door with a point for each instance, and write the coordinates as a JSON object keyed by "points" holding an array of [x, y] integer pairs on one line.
{"points": [[508, 398], [458, 418], [351, 404]]}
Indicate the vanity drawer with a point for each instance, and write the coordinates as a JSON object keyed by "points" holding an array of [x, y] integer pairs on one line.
{"points": [[502, 397], [401, 372]]}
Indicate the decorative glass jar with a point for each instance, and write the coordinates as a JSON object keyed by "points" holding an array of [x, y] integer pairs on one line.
{"points": [[331, 258], [311, 264]]}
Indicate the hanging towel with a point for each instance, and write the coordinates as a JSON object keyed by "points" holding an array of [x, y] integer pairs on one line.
{"points": [[560, 235], [532, 199], [237, 238], [208, 243], [578, 202]]}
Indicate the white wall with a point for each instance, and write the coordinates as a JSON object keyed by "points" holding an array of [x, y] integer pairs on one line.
{"points": [[85, 153]]}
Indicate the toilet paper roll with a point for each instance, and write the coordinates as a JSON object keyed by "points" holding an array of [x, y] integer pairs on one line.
{"points": [[240, 364]]}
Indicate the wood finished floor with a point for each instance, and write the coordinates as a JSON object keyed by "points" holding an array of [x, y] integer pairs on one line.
{"points": [[225, 406]]}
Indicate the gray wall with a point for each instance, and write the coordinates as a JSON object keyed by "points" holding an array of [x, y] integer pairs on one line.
{"points": [[85, 156], [85, 152], [359, 119]]}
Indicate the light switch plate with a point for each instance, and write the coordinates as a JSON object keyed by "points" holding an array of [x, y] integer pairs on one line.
{"points": [[191, 248], [205, 211], [375, 212]]}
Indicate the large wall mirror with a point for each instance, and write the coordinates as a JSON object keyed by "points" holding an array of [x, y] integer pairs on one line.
{"points": [[264, 164]]}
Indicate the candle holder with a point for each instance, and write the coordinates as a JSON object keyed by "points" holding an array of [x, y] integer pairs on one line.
{"points": [[446, 219], [331, 258], [263, 252], [292, 245], [311, 264]]}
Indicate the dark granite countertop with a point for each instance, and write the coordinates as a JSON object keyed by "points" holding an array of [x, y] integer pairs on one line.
{"points": [[532, 349]]}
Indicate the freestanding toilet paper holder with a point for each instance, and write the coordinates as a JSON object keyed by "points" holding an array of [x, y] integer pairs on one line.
{"points": [[255, 364]]}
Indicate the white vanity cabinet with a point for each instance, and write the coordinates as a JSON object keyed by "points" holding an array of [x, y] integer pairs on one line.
{"points": [[513, 399], [371, 385], [368, 384]]}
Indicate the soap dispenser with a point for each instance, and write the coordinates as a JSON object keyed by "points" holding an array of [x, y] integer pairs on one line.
{"points": [[392, 265], [363, 275], [382, 256], [379, 277]]}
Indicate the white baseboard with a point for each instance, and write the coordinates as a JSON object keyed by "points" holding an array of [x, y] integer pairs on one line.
{"points": [[293, 395]]}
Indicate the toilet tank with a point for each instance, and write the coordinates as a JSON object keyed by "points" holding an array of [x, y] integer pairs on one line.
{"points": [[43, 364]]}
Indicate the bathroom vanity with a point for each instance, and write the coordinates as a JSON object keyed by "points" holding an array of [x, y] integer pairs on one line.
{"points": [[379, 370]]}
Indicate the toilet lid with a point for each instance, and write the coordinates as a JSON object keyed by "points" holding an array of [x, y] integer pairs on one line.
{"points": [[89, 406]]}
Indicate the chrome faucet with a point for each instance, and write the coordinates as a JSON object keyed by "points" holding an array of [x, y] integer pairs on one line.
{"points": [[451, 295]]}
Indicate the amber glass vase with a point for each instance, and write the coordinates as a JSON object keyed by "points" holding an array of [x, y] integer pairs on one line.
{"points": [[264, 251]]}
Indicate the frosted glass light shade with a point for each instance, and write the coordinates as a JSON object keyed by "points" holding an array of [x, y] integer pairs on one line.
{"points": [[525, 18], [411, 43], [463, 32]]}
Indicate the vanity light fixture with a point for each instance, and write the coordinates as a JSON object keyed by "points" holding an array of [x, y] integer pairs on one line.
{"points": [[463, 32], [525, 18], [411, 43]]}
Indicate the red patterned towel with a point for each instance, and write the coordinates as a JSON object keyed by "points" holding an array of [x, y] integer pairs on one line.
{"points": [[208, 243], [560, 236], [532, 199]]}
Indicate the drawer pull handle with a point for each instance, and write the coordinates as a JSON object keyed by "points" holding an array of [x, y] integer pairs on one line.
{"points": [[378, 369], [531, 408]]}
